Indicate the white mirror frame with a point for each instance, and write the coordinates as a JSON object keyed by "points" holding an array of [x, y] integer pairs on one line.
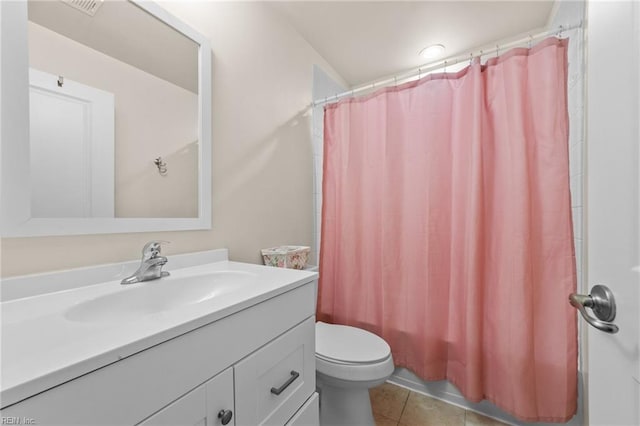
{"points": [[15, 198]]}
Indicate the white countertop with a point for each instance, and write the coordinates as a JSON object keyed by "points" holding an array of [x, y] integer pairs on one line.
{"points": [[42, 348]]}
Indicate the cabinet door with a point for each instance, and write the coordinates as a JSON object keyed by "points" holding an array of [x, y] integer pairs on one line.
{"points": [[220, 407], [189, 410], [201, 406]]}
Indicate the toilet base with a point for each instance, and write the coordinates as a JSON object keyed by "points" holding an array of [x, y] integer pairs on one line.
{"points": [[341, 406]]}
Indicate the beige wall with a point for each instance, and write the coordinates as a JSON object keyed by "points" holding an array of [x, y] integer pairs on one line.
{"points": [[262, 158]]}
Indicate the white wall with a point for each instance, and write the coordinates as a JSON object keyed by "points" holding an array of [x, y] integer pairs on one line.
{"points": [[323, 86], [262, 157], [569, 13]]}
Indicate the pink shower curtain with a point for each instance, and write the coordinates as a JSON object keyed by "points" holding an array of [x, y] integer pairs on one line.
{"points": [[446, 229]]}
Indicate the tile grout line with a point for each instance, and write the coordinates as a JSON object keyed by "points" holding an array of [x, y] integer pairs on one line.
{"points": [[403, 407]]}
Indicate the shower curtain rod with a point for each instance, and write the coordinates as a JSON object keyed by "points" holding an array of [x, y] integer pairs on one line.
{"points": [[416, 73]]}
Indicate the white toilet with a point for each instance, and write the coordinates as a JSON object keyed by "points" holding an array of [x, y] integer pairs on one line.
{"points": [[349, 361]]}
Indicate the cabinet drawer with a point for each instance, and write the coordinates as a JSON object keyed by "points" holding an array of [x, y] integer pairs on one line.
{"points": [[309, 414], [274, 382]]}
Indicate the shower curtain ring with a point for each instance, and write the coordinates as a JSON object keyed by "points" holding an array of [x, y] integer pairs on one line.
{"points": [[530, 40], [497, 50], [560, 32], [445, 66], [471, 58], [419, 73]]}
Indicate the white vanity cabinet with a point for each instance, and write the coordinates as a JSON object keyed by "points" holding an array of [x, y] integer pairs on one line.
{"points": [[243, 362]]}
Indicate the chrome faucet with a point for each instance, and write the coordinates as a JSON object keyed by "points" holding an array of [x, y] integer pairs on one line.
{"points": [[150, 266]]}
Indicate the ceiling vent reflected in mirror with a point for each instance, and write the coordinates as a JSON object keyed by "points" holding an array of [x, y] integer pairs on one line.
{"points": [[90, 7]]}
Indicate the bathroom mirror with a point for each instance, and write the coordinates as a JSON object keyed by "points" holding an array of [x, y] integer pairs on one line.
{"points": [[113, 131]]}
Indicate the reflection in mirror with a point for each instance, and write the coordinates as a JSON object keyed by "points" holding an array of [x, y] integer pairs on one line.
{"points": [[111, 90]]}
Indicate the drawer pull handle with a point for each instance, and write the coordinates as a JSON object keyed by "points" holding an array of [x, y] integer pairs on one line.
{"points": [[278, 391]]}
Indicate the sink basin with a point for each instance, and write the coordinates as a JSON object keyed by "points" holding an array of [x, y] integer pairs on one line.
{"points": [[152, 297]]}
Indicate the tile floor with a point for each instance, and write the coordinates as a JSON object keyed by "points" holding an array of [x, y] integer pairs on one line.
{"points": [[396, 406]]}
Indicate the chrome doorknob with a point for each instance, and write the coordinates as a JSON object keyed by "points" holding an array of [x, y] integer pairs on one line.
{"points": [[603, 305]]}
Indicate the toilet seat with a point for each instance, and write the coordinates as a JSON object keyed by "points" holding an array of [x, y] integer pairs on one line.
{"points": [[351, 354], [345, 344]]}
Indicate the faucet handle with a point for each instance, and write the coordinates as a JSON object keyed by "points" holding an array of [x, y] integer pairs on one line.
{"points": [[152, 249]]}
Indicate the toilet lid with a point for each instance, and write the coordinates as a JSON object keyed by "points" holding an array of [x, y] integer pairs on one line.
{"points": [[349, 344]]}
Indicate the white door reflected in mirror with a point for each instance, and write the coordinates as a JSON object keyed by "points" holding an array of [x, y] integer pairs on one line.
{"points": [[71, 133]]}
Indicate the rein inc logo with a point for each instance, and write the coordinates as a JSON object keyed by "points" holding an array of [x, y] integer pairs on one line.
{"points": [[17, 421]]}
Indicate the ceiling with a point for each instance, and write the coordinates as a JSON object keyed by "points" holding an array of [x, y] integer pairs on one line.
{"points": [[367, 40]]}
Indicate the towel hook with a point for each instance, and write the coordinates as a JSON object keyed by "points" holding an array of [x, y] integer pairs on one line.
{"points": [[161, 165]]}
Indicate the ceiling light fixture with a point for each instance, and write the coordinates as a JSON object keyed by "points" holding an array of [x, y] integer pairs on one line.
{"points": [[432, 51]]}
